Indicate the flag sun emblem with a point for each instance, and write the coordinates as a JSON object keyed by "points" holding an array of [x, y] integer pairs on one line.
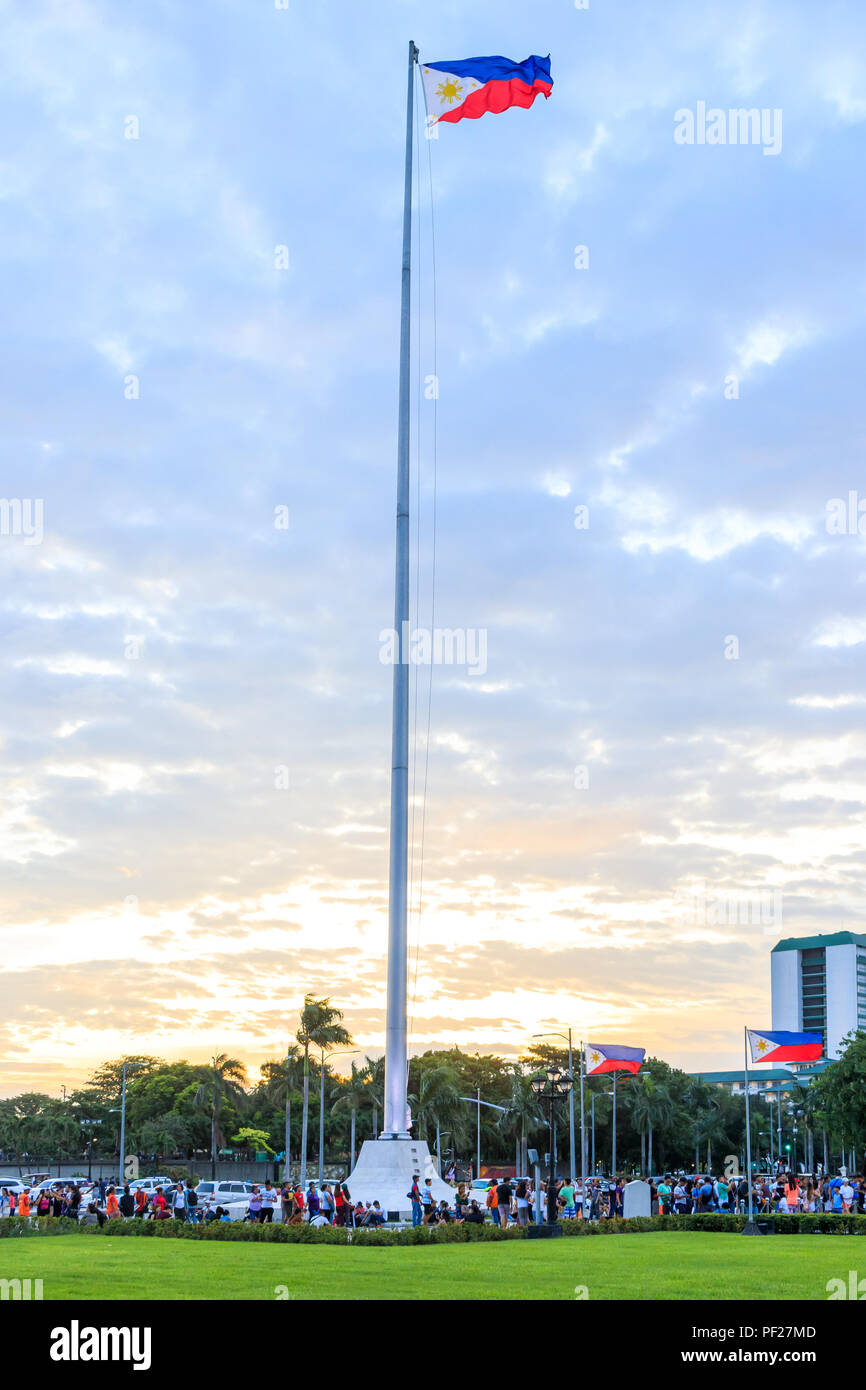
{"points": [[449, 91]]}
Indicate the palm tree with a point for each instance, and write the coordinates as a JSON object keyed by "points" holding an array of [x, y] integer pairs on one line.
{"points": [[281, 1088], [437, 1098], [652, 1107], [810, 1101], [523, 1115], [374, 1075], [224, 1079], [353, 1095], [320, 1027], [711, 1128]]}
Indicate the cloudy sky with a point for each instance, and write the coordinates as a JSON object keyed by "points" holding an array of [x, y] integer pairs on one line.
{"points": [[669, 732]]}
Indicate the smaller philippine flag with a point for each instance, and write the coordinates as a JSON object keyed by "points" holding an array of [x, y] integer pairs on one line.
{"points": [[785, 1047], [602, 1057], [470, 86]]}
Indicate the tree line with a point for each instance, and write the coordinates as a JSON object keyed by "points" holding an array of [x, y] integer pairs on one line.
{"points": [[666, 1119]]}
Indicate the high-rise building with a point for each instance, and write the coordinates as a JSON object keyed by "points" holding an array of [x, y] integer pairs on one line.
{"points": [[819, 986]]}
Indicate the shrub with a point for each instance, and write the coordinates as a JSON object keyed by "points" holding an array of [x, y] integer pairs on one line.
{"points": [[792, 1223]]}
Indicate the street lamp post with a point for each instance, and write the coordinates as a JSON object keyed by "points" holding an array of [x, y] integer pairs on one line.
{"points": [[549, 1088], [476, 1100], [89, 1125], [126, 1067], [571, 1154], [326, 1057]]}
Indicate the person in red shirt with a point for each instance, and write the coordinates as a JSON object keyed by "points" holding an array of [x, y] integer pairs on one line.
{"points": [[140, 1201], [339, 1206]]}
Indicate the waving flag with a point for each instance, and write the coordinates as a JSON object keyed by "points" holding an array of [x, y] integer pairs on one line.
{"points": [[470, 86], [785, 1047], [602, 1057]]}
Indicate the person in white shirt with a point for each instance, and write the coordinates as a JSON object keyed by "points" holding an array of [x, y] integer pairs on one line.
{"points": [[270, 1198], [178, 1203], [326, 1204]]}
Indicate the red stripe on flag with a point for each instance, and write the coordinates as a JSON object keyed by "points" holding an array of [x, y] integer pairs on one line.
{"points": [[496, 97], [614, 1064], [806, 1052]]}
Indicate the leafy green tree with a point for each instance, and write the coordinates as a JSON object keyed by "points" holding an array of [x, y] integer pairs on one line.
{"points": [[841, 1094], [167, 1134], [256, 1139], [106, 1083]]}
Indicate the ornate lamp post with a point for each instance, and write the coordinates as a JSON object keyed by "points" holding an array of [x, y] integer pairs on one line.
{"points": [[550, 1087]]}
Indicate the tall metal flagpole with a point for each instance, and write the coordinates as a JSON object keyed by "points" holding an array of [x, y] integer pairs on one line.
{"points": [[396, 1051], [572, 1171], [582, 1132], [613, 1155], [748, 1132], [123, 1127]]}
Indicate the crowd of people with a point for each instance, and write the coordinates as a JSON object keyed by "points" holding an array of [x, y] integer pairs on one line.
{"points": [[504, 1201], [507, 1201]]}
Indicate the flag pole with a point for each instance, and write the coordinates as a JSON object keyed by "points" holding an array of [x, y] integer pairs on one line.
{"points": [[396, 1047], [613, 1153], [582, 1130], [750, 1228]]}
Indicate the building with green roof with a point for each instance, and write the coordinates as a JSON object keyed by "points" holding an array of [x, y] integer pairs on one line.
{"points": [[819, 986]]}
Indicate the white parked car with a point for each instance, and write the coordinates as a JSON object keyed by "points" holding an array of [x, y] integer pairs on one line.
{"points": [[47, 1186], [14, 1185], [222, 1193], [150, 1185]]}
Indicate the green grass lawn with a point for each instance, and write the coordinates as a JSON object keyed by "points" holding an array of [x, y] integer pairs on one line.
{"points": [[667, 1265]]}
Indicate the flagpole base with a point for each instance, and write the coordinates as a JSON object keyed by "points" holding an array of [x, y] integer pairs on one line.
{"points": [[384, 1173], [752, 1228]]}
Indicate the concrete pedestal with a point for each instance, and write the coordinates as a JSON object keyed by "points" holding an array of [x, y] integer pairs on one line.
{"points": [[384, 1172]]}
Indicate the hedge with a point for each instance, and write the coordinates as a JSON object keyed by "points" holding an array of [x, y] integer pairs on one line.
{"points": [[824, 1223]]}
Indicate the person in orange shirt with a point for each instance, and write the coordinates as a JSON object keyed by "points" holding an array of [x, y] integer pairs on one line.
{"points": [[24, 1206], [112, 1206], [492, 1202]]}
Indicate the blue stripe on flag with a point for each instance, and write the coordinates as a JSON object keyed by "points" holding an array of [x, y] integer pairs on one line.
{"points": [[498, 69]]}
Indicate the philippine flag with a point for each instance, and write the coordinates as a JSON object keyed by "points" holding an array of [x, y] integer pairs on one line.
{"points": [[602, 1057], [785, 1047], [470, 86]]}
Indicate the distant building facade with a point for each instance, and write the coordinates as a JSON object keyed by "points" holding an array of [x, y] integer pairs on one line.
{"points": [[767, 1082], [819, 986]]}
